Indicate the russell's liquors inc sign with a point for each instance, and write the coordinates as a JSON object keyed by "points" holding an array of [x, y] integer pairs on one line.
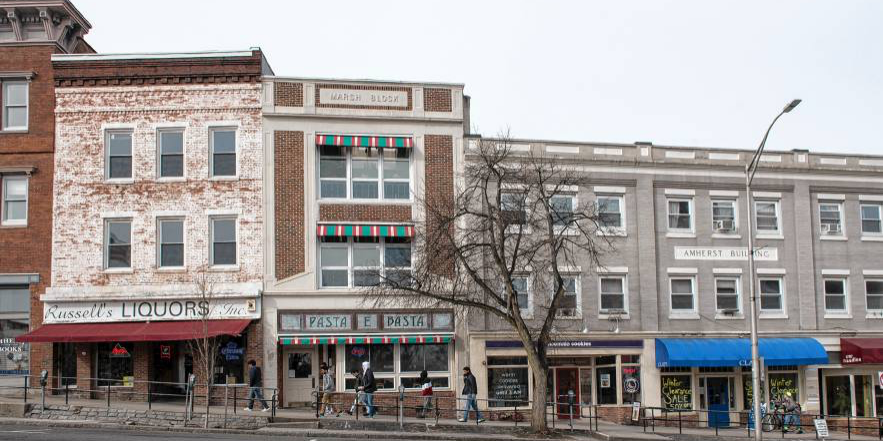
{"points": [[146, 310]]}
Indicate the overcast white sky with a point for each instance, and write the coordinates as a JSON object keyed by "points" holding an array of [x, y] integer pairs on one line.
{"points": [[695, 73]]}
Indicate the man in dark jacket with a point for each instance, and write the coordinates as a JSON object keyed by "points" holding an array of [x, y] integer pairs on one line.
{"points": [[255, 390], [368, 387], [470, 389]]}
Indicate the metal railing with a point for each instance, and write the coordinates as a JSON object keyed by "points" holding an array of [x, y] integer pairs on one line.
{"points": [[777, 420], [187, 393]]}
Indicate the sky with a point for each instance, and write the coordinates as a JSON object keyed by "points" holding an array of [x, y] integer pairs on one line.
{"points": [[688, 73]]}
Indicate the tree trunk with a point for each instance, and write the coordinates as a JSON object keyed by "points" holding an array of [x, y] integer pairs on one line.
{"points": [[208, 401], [540, 393]]}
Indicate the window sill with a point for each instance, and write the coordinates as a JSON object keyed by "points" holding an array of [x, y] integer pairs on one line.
{"points": [[223, 268], [171, 179], [568, 317], [834, 238], [738, 316], [838, 316], [680, 235], [607, 316], [119, 271], [224, 178], [21, 131], [725, 236], [685, 316], [874, 315], [872, 238], [514, 230], [13, 225], [171, 269], [613, 232], [366, 201], [770, 236], [773, 315], [127, 181]]}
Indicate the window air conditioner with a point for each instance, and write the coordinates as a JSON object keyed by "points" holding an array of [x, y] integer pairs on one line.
{"points": [[724, 226], [830, 228]]}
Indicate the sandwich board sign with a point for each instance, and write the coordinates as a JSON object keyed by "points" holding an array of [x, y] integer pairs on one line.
{"points": [[821, 428]]}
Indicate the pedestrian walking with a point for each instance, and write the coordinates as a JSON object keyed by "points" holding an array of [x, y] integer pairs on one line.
{"points": [[470, 389], [358, 400], [426, 393], [255, 388], [368, 388], [326, 408]]}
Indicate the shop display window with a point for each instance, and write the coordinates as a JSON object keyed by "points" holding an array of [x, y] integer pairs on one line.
{"points": [[114, 366], [230, 365], [399, 364], [838, 393], [606, 380], [508, 382]]}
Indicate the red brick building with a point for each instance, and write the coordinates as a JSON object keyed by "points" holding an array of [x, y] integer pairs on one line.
{"points": [[30, 33]]}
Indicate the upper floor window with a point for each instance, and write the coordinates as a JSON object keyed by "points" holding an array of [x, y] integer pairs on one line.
{"points": [[15, 200], [610, 212], [680, 214], [367, 173], [772, 295], [223, 244], [223, 152], [171, 243], [118, 153], [569, 304], [118, 243], [683, 295], [830, 218], [767, 216], [835, 296], [726, 291], [362, 261], [512, 209], [612, 296], [871, 219], [562, 208], [14, 96], [874, 293], [723, 216], [521, 285], [171, 153]]}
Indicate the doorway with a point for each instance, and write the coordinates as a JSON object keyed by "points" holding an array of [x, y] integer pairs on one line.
{"points": [[66, 364], [717, 392], [567, 382], [165, 370], [300, 371]]}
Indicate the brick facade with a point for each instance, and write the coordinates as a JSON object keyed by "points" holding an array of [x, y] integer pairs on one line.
{"points": [[437, 100], [289, 202], [288, 94], [364, 213]]}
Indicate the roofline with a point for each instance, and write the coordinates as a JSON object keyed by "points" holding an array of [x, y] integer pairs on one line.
{"points": [[153, 55], [678, 147], [67, 4], [363, 80]]}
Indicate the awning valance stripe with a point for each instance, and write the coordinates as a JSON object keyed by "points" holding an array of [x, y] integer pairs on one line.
{"points": [[365, 141], [342, 230], [366, 339], [731, 352]]}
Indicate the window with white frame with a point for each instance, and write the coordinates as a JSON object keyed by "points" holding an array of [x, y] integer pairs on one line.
{"points": [[612, 294], [562, 207], [118, 154], [513, 209], [521, 285], [726, 291], [680, 214], [610, 212], [830, 218], [569, 305], [222, 144], [361, 261], [872, 221], [723, 215], [365, 173], [874, 295], [14, 96], [118, 243], [15, 200], [683, 294], [399, 364], [223, 241], [171, 243], [772, 294], [171, 153], [836, 295], [766, 215]]}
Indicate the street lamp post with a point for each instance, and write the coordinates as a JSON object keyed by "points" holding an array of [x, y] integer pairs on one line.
{"points": [[750, 170]]}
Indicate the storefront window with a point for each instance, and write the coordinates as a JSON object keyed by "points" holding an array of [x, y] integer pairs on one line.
{"points": [[15, 306], [508, 381], [114, 364], [677, 392], [879, 391], [585, 386], [380, 357], [631, 379], [782, 384], [230, 366], [864, 398], [419, 357], [606, 380], [838, 395]]}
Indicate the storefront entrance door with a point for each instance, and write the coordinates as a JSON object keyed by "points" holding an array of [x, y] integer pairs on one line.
{"points": [[301, 374], [567, 380], [717, 391]]}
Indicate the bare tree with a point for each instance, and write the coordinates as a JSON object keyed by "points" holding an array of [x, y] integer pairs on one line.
{"points": [[205, 347], [512, 215]]}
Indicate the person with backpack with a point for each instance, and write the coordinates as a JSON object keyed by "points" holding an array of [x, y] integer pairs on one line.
{"points": [[470, 390], [426, 393], [255, 389]]}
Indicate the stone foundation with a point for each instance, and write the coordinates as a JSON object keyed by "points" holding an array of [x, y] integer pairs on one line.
{"points": [[142, 417]]}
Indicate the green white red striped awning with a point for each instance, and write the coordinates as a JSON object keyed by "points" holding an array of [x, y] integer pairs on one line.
{"points": [[366, 339], [343, 230], [365, 141]]}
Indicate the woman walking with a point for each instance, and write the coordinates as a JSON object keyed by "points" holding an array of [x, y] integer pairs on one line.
{"points": [[426, 393]]}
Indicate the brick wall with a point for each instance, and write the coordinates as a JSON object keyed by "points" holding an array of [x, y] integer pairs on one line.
{"points": [[288, 94], [439, 188], [289, 202], [437, 100], [364, 213]]}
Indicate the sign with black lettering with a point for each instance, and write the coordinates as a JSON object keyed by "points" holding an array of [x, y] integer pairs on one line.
{"points": [[821, 428], [328, 322], [147, 310], [677, 392]]}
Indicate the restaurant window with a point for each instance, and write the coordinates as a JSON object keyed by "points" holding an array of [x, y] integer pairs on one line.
{"points": [[432, 357], [838, 395], [683, 295], [871, 219], [569, 304], [723, 216], [118, 153], [864, 395], [562, 208], [771, 295], [680, 214], [513, 208], [605, 378], [230, 364], [874, 293], [15, 200], [223, 245], [612, 296], [726, 290], [631, 378], [14, 96], [364, 173], [15, 303], [171, 243], [118, 243], [610, 213], [390, 370], [223, 152], [766, 214], [830, 219], [835, 296], [114, 364], [362, 261], [508, 382], [171, 153]]}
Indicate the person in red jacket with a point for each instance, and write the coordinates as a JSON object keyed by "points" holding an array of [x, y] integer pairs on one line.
{"points": [[426, 393]]}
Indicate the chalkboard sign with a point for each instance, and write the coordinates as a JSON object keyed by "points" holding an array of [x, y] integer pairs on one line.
{"points": [[677, 392], [507, 386]]}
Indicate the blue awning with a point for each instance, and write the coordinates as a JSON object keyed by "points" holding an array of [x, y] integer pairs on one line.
{"points": [[724, 352]]}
